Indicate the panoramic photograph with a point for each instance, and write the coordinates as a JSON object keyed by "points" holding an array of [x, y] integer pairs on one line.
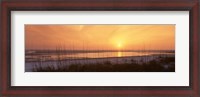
{"points": [[99, 48]]}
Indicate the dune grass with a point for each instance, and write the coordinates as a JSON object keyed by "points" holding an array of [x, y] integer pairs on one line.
{"points": [[162, 64]]}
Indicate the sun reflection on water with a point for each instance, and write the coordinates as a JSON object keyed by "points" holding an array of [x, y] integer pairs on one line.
{"points": [[119, 54]]}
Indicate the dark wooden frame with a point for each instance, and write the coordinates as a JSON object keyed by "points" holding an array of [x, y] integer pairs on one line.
{"points": [[99, 5]]}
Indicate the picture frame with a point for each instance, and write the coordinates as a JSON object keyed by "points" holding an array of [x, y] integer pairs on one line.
{"points": [[193, 90]]}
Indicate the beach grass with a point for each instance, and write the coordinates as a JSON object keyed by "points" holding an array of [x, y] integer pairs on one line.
{"points": [[161, 64]]}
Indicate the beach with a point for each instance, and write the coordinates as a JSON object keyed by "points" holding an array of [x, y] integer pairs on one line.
{"points": [[138, 60]]}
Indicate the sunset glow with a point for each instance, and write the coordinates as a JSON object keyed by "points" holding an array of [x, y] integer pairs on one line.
{"points": [[119, 45], [92, 37], [100, 48]]}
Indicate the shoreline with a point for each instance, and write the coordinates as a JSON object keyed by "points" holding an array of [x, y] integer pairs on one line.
{"points": [[71, 59]]}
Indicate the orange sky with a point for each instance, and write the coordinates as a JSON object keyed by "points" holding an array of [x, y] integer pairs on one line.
{"points": [[112, 37]]}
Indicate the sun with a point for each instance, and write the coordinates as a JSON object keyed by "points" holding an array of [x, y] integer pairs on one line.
{"points": [[119, 45]]}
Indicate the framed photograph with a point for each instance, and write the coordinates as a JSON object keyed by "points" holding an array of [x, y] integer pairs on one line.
{"points": [[137, 48]]}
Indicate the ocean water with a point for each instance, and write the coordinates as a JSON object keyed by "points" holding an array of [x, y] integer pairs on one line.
{"points": [[35, 55]]}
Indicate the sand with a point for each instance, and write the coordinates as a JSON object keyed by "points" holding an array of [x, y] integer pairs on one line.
{"points": [[114, 60]]}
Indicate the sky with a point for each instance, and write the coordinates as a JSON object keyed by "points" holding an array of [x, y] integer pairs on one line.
{"points": [[104, 37]]}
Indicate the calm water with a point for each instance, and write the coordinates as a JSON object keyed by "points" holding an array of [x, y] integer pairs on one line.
{"points": [[52, 55]]}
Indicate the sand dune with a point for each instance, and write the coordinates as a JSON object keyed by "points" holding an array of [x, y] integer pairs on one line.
{"points": [[114, 60]]}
